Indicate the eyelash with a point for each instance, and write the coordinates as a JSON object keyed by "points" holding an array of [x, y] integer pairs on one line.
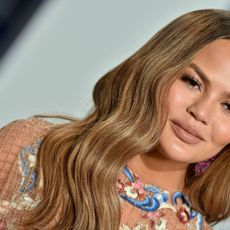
{"points": [[228, 105], [192, 82]]}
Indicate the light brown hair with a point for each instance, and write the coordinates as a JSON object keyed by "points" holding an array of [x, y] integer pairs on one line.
{"points": [[79, 161]]}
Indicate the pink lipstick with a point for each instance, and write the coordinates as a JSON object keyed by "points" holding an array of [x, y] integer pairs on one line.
{"points": [[184, 135]]}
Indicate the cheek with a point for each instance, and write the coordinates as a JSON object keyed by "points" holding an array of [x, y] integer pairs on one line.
{"points": [[221, 132], [178, 96]]}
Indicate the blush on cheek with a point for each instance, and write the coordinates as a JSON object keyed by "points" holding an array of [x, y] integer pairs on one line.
{"points": [[221, 135], [177, 96]]}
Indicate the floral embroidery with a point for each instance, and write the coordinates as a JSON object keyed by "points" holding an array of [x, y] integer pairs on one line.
{"points": [[27, 163], [25, 199], [135, 195], [155, 219], [152, 201], [161, 225], [138, 226], [183, 215], [124, 227]]}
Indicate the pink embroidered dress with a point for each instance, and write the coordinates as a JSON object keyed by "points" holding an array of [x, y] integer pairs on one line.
{"points": [[144, 206]]}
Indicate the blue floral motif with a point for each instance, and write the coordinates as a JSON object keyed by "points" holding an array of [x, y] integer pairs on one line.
{"points": [[200, 220], [27, 160], [155, 199], [193, 213], [129, 174], [150, 203]]}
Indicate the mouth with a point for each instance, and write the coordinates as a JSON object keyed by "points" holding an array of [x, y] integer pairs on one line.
{"points": [[184, 135]]}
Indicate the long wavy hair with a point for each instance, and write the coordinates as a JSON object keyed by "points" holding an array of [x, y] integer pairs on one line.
{"points": [[79, 161]]}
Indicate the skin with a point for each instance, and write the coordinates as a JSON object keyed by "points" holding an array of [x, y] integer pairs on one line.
{"points": [[205, 107]]}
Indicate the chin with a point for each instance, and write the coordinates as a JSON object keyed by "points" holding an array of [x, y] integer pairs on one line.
{"points": [[174, 149], [176, 154]]}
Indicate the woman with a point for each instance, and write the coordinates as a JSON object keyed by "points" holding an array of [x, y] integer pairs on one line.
{"points": [[152, 154]]}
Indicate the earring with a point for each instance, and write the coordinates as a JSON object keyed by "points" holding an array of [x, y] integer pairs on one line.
{"points": [[200, 167]]}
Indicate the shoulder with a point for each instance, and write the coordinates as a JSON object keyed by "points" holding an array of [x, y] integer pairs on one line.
{"points": [[19, 144], [15, 137], [37, 125]]}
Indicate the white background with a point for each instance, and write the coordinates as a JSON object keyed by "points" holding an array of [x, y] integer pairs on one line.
{"points": [[68, 45]]}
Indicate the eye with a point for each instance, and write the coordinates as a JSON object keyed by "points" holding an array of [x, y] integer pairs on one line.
{"points": [[227, 107], [191, 81]]}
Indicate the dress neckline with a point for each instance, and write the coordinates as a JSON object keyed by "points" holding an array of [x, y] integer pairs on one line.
{"points": [[152, 200], [133, 177]]}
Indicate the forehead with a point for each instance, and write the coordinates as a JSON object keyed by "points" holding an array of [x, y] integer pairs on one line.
{"points": [[214, 58]]}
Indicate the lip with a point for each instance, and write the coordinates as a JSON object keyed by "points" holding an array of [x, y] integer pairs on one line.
{"points": [[189, 136]]}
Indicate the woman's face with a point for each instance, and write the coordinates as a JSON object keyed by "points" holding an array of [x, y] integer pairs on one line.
{"points": [[201, 105]]}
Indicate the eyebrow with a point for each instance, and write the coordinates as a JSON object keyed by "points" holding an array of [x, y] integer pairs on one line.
{"points": [[200, 72], [204, 77]]}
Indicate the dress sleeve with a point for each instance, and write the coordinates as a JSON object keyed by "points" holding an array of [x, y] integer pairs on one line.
{"points": [[19, 143]]}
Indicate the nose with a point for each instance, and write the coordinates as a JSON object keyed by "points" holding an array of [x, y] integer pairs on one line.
{"points": [[200, 110]]}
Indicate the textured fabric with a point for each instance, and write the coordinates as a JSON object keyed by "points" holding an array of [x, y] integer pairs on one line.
{"points": [[146, 206], [19, 142], [143, 206]]}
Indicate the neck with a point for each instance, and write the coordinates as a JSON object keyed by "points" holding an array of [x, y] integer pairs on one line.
{"points": [[161, 172]]}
